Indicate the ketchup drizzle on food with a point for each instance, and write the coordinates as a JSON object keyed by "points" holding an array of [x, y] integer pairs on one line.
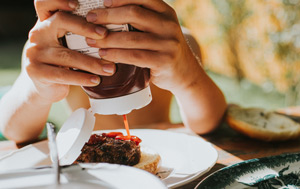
{"points": [[95, 138]]}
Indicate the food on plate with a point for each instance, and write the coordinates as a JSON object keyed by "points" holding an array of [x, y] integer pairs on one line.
{"points": [[116, 148], [150, 160], [261, 124], [110, 149]]}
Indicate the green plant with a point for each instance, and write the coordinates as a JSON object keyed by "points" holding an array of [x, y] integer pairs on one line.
{"points": [[286, 40], [284, 36], [233, 14]]}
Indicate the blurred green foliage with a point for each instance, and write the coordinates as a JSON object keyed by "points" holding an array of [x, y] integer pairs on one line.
{"points": [[285, 37], [233, 14], [286, 41]]}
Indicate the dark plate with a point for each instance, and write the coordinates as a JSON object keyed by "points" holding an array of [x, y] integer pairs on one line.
{"points": [[282, 171]]}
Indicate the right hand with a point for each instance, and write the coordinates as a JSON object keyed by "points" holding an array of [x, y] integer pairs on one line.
{"points": [[48, 63]]}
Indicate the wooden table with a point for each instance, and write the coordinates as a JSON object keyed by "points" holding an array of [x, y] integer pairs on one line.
{"points": [[231, 146], [234, 147]]}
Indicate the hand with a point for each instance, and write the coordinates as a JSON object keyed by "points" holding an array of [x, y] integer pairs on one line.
{"points": [[48, 63], [161, 46]]}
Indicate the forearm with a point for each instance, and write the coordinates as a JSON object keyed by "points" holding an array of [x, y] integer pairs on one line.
{"points": [[201, 103], [23, 113]]}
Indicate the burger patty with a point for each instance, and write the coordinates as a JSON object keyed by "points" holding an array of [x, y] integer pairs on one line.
{"points": [[110, 150]]}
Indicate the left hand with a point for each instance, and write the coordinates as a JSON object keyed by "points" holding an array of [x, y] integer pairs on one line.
{"points": [[161, 46]]}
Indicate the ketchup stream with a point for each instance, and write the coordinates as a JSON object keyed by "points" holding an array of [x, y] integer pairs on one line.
{"points": [[126, 125]]}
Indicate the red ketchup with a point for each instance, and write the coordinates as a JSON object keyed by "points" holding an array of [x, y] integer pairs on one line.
{"points": [[95, 138]]}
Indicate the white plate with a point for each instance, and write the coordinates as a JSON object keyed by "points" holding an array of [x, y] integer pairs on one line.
{"points": [[184, 157], [98, 176]]}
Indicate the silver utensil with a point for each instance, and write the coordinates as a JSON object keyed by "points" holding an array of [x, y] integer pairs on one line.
{"points": [[53, 151]]}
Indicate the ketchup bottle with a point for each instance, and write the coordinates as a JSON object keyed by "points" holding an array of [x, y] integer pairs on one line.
{"points": [[122, 92]]}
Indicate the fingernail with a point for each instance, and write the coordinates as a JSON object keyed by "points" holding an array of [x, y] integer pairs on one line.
{"points": [[102, 52], [90, 41], [101, 30], [108, 68], [107, 3], [73, 4], [95, 79], [91, 17]]}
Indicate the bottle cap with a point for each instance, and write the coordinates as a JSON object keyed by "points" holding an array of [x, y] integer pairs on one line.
{"points": [[123, 104], [74, 133]]}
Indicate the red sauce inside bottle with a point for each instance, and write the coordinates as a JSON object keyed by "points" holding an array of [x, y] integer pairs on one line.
{"points": [[127, 79]]}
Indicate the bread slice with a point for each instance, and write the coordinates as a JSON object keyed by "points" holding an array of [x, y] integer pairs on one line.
{"points": [[150, 160], [261, 124]]}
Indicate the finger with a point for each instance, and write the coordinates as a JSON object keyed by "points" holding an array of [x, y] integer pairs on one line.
{"points": [[64, 22], [155, 5], [72, 59], [140, 58], [139, 17], [45, 9], [59, 24], [52, 74], [131, 40]]}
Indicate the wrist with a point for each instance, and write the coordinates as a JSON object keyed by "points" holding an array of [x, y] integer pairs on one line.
{"points": [[189, 80]]}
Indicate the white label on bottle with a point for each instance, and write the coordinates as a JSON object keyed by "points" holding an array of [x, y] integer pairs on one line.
{"points": [[77, 42]]}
